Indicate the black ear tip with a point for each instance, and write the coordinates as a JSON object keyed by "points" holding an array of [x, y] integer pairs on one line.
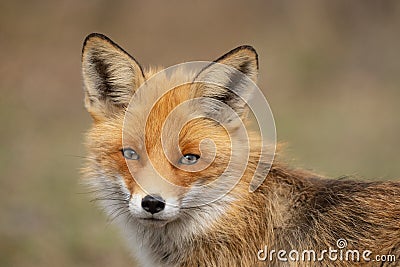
{"points": [[251, 50], [247, 47], [95, 35], [101, 38], [100, 42]]}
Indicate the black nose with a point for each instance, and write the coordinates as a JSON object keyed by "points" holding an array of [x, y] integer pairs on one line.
{"points": [[153, 204]]}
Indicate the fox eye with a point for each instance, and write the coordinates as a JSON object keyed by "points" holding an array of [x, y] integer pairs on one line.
{"points": [[129, 153], [189, 159]]}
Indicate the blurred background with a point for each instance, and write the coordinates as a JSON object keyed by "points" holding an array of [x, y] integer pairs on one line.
{"points": [[329, 69]]}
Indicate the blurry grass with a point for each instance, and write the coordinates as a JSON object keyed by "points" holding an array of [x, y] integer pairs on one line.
{"points": [[49, 222], [330, 71]]}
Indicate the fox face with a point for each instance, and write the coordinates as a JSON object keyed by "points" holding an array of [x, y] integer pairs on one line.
{"points": [[166, 147]]}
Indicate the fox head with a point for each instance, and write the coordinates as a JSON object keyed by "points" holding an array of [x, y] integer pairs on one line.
{"points": [[165, 146]]}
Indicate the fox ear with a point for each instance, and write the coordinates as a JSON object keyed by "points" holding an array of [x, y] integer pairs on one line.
{"points": [[110, 76], [230, 79]]}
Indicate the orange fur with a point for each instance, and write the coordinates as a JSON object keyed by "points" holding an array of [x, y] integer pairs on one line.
{"points": [[292, 209]]}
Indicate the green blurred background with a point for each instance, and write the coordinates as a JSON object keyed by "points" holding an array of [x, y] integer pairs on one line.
{"points": [[330, 71]]}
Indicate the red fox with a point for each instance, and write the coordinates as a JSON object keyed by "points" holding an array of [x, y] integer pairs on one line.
{"points": [[158, 180]]}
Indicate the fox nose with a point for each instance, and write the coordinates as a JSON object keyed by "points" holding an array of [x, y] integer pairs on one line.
{"points": [[153, 204]]}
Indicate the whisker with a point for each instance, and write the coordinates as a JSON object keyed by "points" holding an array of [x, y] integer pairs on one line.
{"points": [[117, 213], [100, 191], [130, 217], [79, 156], [108, 198]]}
